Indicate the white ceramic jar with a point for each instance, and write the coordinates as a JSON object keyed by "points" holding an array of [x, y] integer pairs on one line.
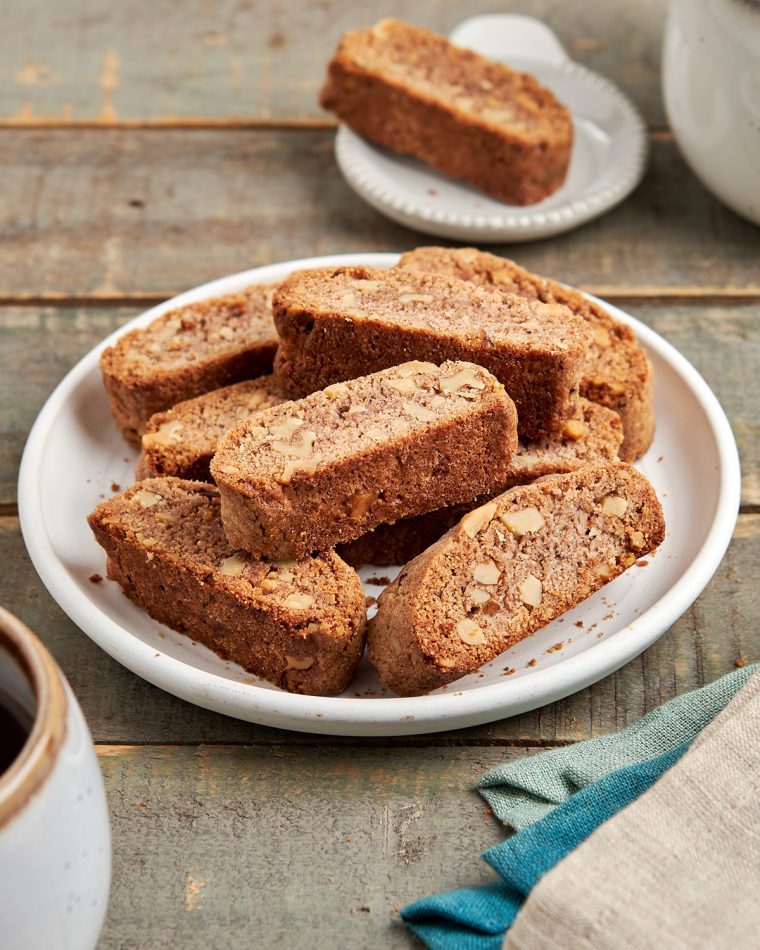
{"points": [[55, 843], [711, 85]]}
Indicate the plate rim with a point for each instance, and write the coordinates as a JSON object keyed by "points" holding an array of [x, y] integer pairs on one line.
{"points": [[515, 223], [371, 716]]}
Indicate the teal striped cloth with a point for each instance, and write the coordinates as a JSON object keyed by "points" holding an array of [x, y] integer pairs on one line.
{"points": [[521, 792], [558, 799]]}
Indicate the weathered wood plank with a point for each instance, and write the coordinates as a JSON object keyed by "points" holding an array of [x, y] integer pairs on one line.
{"points": [[217, 840], [723, 342], [106, 214], [76, 60], [704, 644]]}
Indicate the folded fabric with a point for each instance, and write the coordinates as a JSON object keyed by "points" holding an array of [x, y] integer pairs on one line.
{"points": [[560, 798], [476, 918], [679, 868], [521, 792]]}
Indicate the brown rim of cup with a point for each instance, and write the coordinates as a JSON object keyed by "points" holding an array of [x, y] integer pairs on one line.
{"points": [[23, 778]]}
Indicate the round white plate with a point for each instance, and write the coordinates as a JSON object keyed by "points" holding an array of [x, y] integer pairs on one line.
{"points": [[74, 454], [608, 160]]}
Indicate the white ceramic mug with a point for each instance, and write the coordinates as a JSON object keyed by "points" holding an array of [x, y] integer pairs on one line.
{"points": [[55, 841], [711, 86]]}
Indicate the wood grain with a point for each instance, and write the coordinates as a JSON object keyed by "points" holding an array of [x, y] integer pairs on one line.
{"points": [[105, 214], [723, 342], [704, 644], [82, 61], [279, 847]]}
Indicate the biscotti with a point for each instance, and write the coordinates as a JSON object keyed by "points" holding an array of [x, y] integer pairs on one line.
{"points": [[186, 352], [306, 475], [182, 440], [594, 437], [298, 625], [509, 568], [340, 323], [412, 91], [617, 375]]}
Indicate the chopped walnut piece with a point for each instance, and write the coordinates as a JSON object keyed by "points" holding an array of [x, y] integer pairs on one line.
{"points": [[309, 466], [470, 633], [465, 377], [417, 411], [614, 505], [522, 522], [531, 591], [637, 540], [403, 385], [170, 432], [416, 298], [285, 430], [605, 570], [475, 520], [486, 573], [146, 499], [602, 338], [336, 390], [232, 566], [361, 502], [415, 366], [574, 429], [299, 601]]}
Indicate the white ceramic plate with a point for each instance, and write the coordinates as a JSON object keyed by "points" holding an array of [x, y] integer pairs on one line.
{"points": [[608, 160], [74, 454]]}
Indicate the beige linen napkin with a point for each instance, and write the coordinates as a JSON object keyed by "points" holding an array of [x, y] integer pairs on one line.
{"points": [[678, 868]]}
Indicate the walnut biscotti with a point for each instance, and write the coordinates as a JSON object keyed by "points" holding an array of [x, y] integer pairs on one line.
{"points": [[594, 437], [412, 91], [182, 440], [509, 568], [186, 352], [298, 625], [617, 374], [304, 476], [341, 323]]}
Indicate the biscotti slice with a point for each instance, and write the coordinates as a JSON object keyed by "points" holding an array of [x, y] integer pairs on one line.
{"points": [[618, 373], [186, 352], [306, 475], [298, 625], [182, 440], [594, 437], [340, 323], [509, 568], [414, 92]]}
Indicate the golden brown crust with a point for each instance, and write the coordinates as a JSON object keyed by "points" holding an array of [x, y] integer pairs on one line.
{"points": [[509, 568], [340, 323], [309, 474], [617, 375], [299, 625], [412, 91], [187, 352]]}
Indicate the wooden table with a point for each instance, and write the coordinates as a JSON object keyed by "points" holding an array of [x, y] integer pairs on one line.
{"points": [[147, 147]]}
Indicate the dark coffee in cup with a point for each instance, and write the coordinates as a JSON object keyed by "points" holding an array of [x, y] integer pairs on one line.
{"points": [[15, 726]]}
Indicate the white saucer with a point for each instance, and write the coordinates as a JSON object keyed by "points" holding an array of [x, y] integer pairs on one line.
{"points": [[74, 454], [608, 161]]}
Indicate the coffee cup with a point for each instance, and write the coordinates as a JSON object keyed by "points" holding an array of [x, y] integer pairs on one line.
{"points": [[55, 842]]}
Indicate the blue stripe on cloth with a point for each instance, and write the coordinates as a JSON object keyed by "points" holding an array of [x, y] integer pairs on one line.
{"points": [[476, 918]]}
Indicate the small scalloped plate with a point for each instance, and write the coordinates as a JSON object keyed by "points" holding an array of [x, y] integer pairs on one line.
{"points": [[74, 456], [608, 160]]}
